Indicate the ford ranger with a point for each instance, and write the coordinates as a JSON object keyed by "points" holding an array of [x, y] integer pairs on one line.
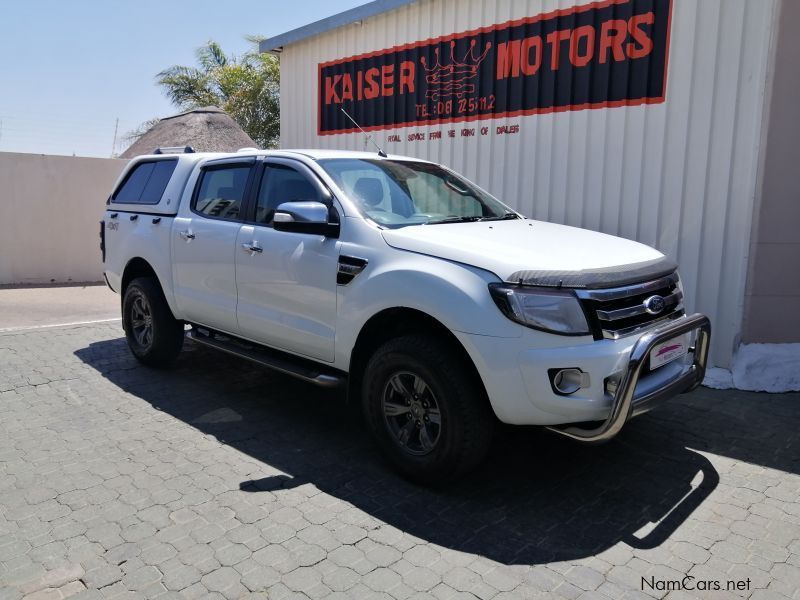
{"points": [[438, 308]]}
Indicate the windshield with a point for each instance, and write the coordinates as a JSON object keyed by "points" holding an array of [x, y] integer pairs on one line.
{"points": [[397, 193]]}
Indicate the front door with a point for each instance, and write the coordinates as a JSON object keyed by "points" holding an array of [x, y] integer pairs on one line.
{"points": [[204, 247], [287, 281]]}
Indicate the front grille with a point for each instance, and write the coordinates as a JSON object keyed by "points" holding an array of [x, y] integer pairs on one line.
{"points": [[616, 312]]}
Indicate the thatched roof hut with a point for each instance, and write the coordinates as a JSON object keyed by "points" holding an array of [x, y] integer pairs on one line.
{"points": [[206, 129]]}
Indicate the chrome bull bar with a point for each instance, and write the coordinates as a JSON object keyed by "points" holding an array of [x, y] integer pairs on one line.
{"points": [[623, 404]]}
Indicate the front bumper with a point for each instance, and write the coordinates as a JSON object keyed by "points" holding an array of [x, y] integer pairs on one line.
{"points": [[627, 401], [515, 375]]}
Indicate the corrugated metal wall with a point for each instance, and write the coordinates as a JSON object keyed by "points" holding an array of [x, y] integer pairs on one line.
{"points": [[679, 176]]}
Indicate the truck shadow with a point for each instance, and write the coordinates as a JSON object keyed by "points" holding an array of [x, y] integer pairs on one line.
{"points": [[539, 498]]}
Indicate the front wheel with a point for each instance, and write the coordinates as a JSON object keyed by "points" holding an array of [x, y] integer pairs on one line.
{"points": [[426, 409], [154, 336]]}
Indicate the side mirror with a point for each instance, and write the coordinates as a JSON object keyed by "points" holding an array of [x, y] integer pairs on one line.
{"points": [[304, 217]]}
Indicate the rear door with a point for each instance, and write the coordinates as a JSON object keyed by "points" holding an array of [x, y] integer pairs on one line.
{"points": [[286, 280], [204, 245]]}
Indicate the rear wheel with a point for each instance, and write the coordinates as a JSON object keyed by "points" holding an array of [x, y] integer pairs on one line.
{"points": [[426, 409], [154, 336]]}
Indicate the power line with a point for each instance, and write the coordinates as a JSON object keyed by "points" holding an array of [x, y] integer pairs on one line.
{"points": [[49, 118], [61, 128], [9, 138]]}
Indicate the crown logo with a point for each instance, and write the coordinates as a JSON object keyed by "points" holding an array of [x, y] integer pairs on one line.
{"points": [[453, 79]]}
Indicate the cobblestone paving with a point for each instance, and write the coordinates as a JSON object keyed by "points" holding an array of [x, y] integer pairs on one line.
{"points": [[219, 479]]}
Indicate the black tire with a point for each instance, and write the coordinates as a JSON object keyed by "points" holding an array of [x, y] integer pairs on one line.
{"points": [[143, 306], [441, 380]]}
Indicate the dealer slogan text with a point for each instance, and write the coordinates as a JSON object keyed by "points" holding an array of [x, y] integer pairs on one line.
{"points": [[610, 53]]}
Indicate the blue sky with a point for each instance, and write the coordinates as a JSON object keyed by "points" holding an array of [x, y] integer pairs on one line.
{"points": [[71, 68]]}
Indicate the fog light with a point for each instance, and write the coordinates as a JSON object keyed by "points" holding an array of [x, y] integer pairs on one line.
{"points": [[612, 384], [568, 381]]}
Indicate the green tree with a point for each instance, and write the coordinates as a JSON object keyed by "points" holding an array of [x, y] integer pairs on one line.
{"points": [[246, 87]]}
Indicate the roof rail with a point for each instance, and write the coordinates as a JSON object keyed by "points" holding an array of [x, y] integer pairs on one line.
{"points": [[174, 150], [248, 149]]}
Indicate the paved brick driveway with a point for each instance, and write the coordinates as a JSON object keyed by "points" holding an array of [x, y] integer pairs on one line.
{"points": [[219, 478]]}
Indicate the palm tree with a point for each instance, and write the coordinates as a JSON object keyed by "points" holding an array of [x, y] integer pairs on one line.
{"points": [[245, 87]]}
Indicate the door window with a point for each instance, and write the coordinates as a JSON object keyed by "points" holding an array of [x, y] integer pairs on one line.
{"points": [[280, 184], [220, 192]]}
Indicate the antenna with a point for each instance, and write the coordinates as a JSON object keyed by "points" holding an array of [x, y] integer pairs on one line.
{"points": [[381, 153]]}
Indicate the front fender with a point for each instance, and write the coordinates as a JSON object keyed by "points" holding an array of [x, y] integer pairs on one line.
{"points": [[456, 295]]}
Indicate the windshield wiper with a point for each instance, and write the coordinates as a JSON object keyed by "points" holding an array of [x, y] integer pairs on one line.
{"points": [[506, 217], [455, 220]]}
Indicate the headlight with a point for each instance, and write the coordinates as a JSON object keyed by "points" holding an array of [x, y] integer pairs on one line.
{"points": [[556, 311]]}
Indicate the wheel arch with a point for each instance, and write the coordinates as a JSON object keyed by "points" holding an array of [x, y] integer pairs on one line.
{"points": [[139, 267], [394, 322]]}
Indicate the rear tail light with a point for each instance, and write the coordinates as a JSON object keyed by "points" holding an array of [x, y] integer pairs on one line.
{"points": [[103, 239]]}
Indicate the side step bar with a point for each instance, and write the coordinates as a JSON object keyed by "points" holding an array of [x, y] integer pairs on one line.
{"points": [[300, 368]]}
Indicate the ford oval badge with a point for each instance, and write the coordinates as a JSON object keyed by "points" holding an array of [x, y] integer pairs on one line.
{"points": [[654, 305]]}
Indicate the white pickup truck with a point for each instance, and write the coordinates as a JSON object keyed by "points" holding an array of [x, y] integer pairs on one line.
{"points": [[441, 309]]}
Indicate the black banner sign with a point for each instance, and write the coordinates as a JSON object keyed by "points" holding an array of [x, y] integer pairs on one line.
{"points": [[604, 54]]}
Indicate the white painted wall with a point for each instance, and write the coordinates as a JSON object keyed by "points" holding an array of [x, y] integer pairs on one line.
{"points": [[679, 176], [50, 209]]}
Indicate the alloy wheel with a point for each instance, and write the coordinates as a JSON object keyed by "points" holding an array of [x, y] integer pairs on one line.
{"points": [[412, 413], [142, 321]]}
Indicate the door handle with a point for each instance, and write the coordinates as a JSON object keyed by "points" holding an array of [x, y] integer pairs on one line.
{"points": [[252, 247], [187, 235]]}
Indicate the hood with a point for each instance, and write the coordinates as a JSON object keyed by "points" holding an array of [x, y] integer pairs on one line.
{"points": [[534, 251]]}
